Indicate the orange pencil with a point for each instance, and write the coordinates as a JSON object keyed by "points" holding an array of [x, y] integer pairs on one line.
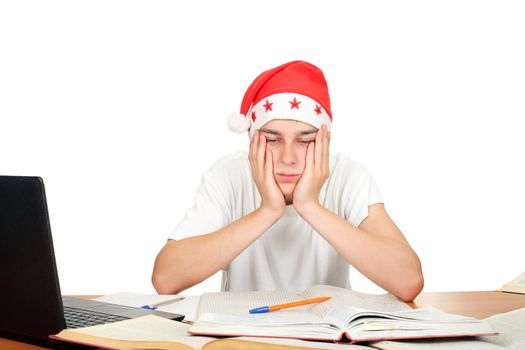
{"points": [[287, 305]]}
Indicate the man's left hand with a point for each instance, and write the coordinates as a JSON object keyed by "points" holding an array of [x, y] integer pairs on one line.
{"points": [[316, 172]]}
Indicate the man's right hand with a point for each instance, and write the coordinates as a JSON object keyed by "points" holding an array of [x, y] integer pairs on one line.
{"points": [[261, 160]]}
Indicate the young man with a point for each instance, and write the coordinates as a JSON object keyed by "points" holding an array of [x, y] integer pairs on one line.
{"points": [[287, 215]]}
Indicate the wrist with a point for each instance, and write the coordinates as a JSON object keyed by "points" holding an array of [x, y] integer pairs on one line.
{"points": [[269, 214], [308, 208]]}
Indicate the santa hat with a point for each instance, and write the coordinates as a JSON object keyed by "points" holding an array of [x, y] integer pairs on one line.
{"points": [[296, 90]]}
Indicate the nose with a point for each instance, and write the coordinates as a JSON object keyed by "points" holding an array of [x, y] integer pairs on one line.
{"points": [[287, 155]]}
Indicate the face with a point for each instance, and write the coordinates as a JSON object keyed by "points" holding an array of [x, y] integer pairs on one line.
{"points": [[288, 141]]}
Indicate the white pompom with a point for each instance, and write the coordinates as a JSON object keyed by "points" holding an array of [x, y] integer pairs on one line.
{"points": [[238, 123]]}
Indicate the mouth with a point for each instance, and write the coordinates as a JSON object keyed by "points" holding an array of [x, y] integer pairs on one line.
{"points": [[288, 177]]}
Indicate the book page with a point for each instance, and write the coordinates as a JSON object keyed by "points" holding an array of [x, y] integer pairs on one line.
{"points": [[241, 302], [272, 324], [415, 330], [511, 326], [146, 329], [437, 344], [342, 297], [266, 343], [187, 307], [275, 318], [138, 299], [346, 317]]}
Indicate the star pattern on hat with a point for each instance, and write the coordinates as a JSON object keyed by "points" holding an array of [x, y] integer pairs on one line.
{"points": [[295, 103], [253, 116], [318, 109], [268, 106]]}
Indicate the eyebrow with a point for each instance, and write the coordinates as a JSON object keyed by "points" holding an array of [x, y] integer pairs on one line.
{"points": [[302, 133]]}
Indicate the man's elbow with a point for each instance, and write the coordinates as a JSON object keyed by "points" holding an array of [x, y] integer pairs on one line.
{"points": [[163, 284], [411, 288]]}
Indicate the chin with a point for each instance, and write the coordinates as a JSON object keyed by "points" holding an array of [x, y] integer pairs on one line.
{"points": [[288, 198], [287, 190]]}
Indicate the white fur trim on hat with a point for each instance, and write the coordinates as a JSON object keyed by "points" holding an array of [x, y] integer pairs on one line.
{"points": [[288, 106], [238, 122]]}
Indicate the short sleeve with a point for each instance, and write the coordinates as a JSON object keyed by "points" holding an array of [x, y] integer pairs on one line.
{"points": [[210, 211], [360, 191]]}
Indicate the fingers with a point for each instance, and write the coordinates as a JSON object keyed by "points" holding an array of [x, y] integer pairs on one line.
{"points": [[268, 167], [310, 157], [261, 153], [257, 153], [321, 159], [253, 149], [325, 151], [318, 148]]}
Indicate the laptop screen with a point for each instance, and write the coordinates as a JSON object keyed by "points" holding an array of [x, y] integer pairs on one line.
{"points": [[30, 298]]}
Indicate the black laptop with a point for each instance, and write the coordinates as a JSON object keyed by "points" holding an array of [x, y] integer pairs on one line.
{"points": [[31, 305]]}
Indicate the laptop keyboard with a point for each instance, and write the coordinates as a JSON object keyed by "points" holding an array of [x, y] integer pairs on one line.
{"points": [[76, 318]]}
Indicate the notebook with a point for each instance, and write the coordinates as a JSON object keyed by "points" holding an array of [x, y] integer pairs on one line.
{"points": [[31, 305]]}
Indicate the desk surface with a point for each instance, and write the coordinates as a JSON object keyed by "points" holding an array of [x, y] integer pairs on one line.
{"points": [[475, 304]]}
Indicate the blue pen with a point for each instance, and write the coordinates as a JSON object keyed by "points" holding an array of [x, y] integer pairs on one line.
{"points": [[161, 303], [147, 307], [260, 310]]}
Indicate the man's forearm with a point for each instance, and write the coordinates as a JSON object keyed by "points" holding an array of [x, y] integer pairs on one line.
{"points": [[388, 262], [182, 264]]}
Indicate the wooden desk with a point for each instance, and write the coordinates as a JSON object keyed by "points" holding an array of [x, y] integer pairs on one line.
{"points": [[475, 304]]}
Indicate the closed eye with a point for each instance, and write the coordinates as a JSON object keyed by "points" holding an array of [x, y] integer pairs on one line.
{"points": [[302, 142]]}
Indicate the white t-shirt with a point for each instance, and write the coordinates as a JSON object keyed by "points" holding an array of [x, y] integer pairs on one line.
{"points": [[290, 255]]}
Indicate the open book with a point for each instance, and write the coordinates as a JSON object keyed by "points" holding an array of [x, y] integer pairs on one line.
{"points": [[153, 332], [517, 285], [348, 316]]}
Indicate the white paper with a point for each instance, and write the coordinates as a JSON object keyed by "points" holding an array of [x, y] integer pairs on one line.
{"points": [[187, 307], [437, 344], [241, 302], [511, 326], [139, 300]]}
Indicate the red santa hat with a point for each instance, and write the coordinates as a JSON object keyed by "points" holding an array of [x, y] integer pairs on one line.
{"points": [[296, 90]]}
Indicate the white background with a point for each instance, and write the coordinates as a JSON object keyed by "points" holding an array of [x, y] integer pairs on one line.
{"points": [[121, 105]]}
